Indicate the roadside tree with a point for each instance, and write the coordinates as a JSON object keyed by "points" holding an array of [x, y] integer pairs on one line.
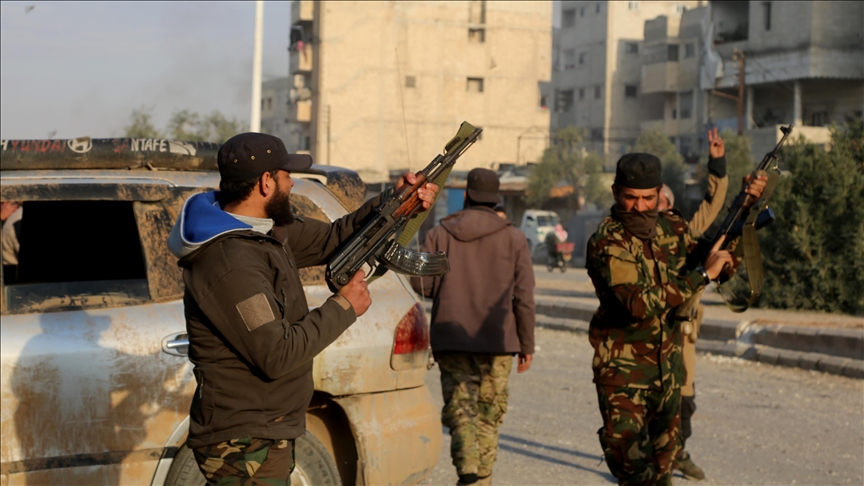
{"points": [[565, 162], [657, 143], [141, 124]]}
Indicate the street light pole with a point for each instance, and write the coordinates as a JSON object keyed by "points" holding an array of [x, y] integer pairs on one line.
{"points": [[255, 118]]}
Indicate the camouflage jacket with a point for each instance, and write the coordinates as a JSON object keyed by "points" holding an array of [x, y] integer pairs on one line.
{"points": [[636, 341]]}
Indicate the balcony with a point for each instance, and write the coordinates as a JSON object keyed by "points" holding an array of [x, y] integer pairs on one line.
{"points": [[302, 11], [300, 111], [763, 140], [661, 77], [301, 61]]}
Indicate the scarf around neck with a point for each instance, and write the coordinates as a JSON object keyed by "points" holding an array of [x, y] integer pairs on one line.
{"points": [[643, 225]]}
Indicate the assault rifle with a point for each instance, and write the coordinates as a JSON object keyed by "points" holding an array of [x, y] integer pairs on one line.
{"points": [[374, 245], [741, 220]]}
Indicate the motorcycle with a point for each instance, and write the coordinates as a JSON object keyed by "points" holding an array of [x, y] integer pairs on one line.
{"points": [[561, 257]]}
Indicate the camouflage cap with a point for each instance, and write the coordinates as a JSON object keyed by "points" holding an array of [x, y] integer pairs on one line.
{"points": [[638, 171]]}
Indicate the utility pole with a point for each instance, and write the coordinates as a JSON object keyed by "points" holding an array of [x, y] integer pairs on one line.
{"points": [[739, 56], [255, 118]]}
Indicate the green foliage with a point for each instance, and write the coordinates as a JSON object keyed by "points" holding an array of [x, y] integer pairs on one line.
{"points": [[564, 162], [739, 162], [141, 124], [657, 143], [185, 125], [598, 190], [814, 253]]}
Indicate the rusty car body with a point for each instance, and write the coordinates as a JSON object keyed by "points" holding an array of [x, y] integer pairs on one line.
{"points": [[96, 386]]}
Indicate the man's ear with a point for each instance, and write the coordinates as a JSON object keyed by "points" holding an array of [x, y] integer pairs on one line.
{"points": [[266, 184]]}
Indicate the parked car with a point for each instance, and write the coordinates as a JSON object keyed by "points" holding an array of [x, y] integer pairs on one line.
{"points": [[536, 224], [96, 385]]}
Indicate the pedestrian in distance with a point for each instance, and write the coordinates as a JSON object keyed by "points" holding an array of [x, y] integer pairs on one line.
{"points": [[482, 315], [636, 261], [252, 336], [705, 215]]}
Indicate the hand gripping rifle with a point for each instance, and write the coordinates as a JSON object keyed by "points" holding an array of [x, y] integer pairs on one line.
{"points": [[374, 245], [741, 220]]}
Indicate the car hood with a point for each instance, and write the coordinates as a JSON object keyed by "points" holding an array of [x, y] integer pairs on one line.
{"points": [[201, 220]]}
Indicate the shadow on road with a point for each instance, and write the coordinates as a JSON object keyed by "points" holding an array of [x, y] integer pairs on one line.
{"points": [[564, 293], [534, 455]]}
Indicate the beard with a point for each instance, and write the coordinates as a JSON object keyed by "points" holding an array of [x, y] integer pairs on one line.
{"points": [[278, 208]]}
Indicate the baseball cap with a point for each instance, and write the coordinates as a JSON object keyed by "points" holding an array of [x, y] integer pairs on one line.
{"points": [[248, 155], [483, 186], [638, 171]]}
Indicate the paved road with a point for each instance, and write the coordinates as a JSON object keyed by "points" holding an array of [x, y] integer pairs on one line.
{"points": [[755, 424]]}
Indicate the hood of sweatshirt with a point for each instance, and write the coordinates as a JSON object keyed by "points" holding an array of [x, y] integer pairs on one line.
{"points": [[474, 223], [201, 220]]}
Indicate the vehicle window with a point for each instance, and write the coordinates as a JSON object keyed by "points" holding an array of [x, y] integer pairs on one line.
{"points": [[73, 254], [548, 220]]}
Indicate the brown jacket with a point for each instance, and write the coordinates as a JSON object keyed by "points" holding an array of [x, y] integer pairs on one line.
{"points": [[486, 303], [252, 337]]}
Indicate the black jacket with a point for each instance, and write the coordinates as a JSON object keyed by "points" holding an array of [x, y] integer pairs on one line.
{"points": [[252, 337]]}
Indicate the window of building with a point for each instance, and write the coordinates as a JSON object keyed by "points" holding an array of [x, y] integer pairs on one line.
{"points": [[672, 53], [475, 85], [544, 103], [477, 35], [269, 103], [632, 5], [568, 18], [582, 57], [689, 50], [630, 91], [766, 9], [597, 91], [680, 8], [570, 59], [674, 114], [631, 48], [565, 100], [686, 104], [598, 8], [597, 134], [819, 118], [410, 81], [581, 11]]}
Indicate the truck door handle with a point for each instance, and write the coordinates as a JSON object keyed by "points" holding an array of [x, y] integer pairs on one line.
{"points": [[176, 344]]}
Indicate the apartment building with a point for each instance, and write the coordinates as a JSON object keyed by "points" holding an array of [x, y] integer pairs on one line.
{"points": [[275, 95], [803, 64], [670, 95], [380, 87], [597, 69]]}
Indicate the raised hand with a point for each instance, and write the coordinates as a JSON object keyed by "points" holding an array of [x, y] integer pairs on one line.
{"points": [[716, 147]]}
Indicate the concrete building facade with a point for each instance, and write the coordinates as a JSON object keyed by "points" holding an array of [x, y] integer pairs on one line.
{"points": [[597, 70], [380, 87], [274, 111], [804, 65]]}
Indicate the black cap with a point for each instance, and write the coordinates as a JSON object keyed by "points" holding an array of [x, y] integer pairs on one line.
{"points": [[638, 171], [483, 186], [248, 155]]}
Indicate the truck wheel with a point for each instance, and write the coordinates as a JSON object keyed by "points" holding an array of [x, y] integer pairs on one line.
{"points": [[314, 466]]}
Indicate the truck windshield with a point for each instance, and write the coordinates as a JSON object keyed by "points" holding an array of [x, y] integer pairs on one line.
{"points": [[550, 220]]}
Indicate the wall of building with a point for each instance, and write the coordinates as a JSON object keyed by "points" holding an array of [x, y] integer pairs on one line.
{"points": [[372, 52]]}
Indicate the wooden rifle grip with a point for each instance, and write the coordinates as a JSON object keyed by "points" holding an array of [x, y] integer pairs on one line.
{"points": [[413, 200]]}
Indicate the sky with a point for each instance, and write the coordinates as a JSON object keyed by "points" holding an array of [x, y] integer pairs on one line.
{"points": [[80, 68]]}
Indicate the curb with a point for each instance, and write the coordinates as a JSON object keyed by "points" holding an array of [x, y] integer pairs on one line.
{"points": [[852, 368], [841, 343]]}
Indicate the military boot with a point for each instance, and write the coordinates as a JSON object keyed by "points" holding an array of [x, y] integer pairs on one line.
{"points": [[685, 464], [467, 480]]}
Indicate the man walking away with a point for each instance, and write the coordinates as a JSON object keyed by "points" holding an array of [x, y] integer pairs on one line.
{"points": [[482, 315]]}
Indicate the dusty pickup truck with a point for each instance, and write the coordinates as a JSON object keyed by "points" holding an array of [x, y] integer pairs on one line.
{"points": [[96, 385]]}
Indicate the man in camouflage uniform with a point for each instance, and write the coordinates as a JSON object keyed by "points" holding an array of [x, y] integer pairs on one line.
{"points": [[636, 261], [705, 215], [482, 315]]}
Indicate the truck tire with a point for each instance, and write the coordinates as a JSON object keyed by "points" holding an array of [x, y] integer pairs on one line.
{"points": [[314, 466]]}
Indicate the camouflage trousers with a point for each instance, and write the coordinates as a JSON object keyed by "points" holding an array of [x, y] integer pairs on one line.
{"points": [[474, 386], [247, 462], [640, 433]]}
